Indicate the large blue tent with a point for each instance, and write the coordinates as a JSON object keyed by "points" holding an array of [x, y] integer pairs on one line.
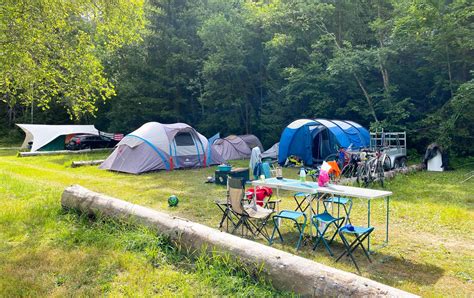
{"points": [[314, 140]]}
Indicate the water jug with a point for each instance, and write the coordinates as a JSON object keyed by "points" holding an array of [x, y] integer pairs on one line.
{"points": [[302, 175]]}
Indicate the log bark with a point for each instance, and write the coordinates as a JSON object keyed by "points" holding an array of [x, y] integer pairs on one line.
{"points": [[286, 271], [76, 164], [389, 174]]}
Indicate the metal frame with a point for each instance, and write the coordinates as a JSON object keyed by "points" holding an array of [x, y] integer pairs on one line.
{"points": [[226, 215], [320, 235], [350, 247], [394, 144], [276, 220]]}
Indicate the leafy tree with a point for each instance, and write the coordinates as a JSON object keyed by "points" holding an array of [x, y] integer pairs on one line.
{"points": [[53, 50]]}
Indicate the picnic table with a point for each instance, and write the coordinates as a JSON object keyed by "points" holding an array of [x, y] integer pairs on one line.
{"points": [[318, 193]]}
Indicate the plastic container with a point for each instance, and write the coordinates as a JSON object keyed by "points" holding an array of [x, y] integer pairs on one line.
{"points": [[302, 175], [224, 168]]}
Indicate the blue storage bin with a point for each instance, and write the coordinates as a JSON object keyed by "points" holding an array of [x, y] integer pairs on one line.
{"points": [[224, 168]]}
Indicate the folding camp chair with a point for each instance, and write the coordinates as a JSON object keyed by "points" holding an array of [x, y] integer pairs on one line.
{"points": [[267, 202], [227, 216], [345, 202], [360, 234], [327, 220], [302, 201], [248, 213], [293, 216]]}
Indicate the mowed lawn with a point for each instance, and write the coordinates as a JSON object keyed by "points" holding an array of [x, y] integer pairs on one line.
{"points": [[44, 250]]}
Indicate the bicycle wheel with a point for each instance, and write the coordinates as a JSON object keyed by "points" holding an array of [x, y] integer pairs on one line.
{"points": [[371, 170], [331, 157], [380, 173], [348, 171], [362, 174], [386, 162]]}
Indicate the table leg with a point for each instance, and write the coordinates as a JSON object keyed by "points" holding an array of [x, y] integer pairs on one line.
{"points": [[254, 199], [387, 199], [368, 224], [311, 213], [278, 206], [278, 201]]}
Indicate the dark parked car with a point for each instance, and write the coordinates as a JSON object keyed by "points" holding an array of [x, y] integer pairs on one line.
{"points": [[90, 142]]}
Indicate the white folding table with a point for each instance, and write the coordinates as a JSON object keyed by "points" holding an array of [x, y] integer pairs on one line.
{"points": [[313, 189]]}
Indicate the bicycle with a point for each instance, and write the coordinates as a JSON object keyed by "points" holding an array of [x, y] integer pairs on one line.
{"points": [[350, 169], [373, 168]]}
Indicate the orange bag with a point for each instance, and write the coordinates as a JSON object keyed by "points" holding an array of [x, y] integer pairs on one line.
{"points": [[334, 169]]}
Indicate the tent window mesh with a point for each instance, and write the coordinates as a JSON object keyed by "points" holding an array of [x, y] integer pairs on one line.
{"points": [[184, 139]]}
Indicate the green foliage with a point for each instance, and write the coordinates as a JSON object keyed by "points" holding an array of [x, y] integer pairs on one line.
{"points": [[54, 50], [245, 66]]}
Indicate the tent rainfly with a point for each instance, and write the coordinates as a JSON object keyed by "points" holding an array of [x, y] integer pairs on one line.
{"points": [[156, 146], [236, 147], [272, 152], [52, 137], [314, 140], [252, 141]]}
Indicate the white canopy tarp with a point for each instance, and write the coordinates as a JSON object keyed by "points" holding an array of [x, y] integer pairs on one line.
{"points": [[42, 134]]}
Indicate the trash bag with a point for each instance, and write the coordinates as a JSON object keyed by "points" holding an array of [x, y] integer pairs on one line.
{"points": [[431, 152]]}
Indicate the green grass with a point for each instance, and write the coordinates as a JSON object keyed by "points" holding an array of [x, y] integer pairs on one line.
{"points": [[44, 251]]}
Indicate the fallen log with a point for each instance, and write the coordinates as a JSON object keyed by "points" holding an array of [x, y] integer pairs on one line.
{"points": [[62, 152], [76, 164], [388, 174], [286, 271], [405, 170]]}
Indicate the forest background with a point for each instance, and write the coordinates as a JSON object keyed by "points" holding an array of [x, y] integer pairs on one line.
{"points": [[240, 66]]}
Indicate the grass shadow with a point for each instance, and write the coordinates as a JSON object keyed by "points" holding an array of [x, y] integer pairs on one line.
{"points": [[385, 267]]}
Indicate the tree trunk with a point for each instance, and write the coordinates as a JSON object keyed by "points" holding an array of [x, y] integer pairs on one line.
{"points": [[359, 81], [448, 60], [367, 97]]}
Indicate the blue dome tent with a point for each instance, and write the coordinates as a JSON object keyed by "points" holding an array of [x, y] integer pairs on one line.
{"points": [[314, 140]]}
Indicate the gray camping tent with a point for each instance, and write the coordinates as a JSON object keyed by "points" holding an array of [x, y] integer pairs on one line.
{"points": [[272, 152], [155, 146], [236, 147], [231, 148], [252, 141]]}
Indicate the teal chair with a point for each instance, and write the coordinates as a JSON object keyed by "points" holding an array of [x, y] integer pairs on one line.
{"points": [[360, 234], [293, 216], [328, 220], [346, 203], [301, 199]]}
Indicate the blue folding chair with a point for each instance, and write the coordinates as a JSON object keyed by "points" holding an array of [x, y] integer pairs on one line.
{"points": [[345, 202], [328, 220], [291, 215], [300, 199], [360, 234]]}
